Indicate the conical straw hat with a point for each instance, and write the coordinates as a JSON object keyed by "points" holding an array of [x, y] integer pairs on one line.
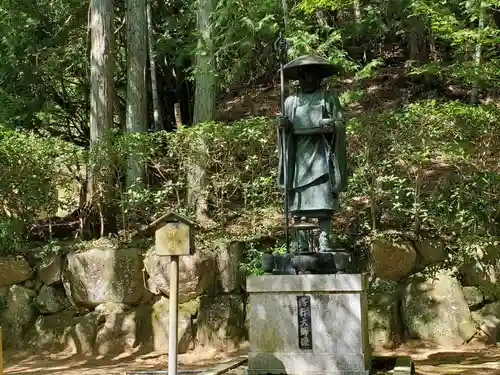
{"points": [[321, 66]]}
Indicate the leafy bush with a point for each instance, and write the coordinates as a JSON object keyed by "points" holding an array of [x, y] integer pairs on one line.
{"points": [[4, 303], [31, 174], [241, 160], [428, 167], [10, 237]]}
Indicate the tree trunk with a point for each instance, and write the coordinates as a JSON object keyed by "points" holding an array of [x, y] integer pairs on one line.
{"points": [[204, 107], [184, 92], [284, 5], [136, 79], [100, 186], [357, 11], [204, 110], [477, 57], [158, 120]]}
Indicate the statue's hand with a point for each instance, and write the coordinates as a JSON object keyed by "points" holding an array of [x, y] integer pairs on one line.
{"points": [[284, 123], [327, 125]]}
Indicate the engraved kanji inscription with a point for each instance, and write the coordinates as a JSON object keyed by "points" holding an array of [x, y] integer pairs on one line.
{"points": [[304, 320]]}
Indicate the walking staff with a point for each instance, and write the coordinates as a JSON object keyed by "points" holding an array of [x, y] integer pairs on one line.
{"points": [[281, 47]]}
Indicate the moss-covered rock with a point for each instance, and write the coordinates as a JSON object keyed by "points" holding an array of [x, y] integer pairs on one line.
{"points": [[185, 331]]}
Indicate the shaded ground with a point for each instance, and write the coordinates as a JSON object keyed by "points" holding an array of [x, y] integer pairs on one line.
{"points": [[60, 364], [469, 361]]}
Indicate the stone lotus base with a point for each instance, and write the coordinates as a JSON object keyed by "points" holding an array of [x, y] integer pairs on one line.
{"points": [[336, 317]]}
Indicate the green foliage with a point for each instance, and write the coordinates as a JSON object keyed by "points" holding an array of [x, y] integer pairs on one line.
{"points": [[253, 251], [4, 303], [29, 173], [43, 71], [245, 32], [241, 160], [9, 234], [252, 264], [429, 167]]}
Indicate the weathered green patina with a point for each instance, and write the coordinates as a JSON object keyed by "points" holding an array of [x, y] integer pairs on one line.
{"points": [[315, 155]]}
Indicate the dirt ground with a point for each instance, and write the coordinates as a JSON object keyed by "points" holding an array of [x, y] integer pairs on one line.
{"points": [[63, 364], [468, 361]]}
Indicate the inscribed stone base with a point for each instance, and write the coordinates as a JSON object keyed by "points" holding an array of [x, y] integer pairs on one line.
{"points": [[337, 316]]}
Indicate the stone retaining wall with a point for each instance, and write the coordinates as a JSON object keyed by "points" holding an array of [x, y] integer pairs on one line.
{"points": [[107, 300]]}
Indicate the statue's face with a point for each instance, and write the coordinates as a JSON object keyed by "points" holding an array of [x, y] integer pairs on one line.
{"points": [[308, 79]]}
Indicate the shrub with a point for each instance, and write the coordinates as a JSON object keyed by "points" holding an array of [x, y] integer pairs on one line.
{"points": [[426, 168]]}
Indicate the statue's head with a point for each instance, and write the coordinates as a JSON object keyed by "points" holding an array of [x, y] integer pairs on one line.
{"points": [[309, 79], [309, 70]]}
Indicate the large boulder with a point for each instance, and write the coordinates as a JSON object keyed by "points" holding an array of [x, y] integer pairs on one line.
{"points": [[196, 275], [434, 310], [104, 275], [185, 328], [14, 269], [483, 271], [473, 296], [49, 268], [51, 300], [229, 258], [384, 321], [80, 338], [49, 331], [221, 322], [18, 315], [431, 250], [124, 329], [392, 260], [488, 320], [109, 329]]}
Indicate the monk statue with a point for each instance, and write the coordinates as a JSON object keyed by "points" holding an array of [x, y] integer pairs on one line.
{"points": [[314, 155]]}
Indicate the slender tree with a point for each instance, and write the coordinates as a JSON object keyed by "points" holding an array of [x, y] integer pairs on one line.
{"points": [[158, 119], [204, 106], [100, 189], [136, 22], [478, 53]]}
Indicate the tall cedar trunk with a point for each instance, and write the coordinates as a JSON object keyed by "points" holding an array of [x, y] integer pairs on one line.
{"points": [[158, 119], [100, 186], [477, 57], [136, 78], [284, 5], [357, 11], [204, 110], [184, 92]]}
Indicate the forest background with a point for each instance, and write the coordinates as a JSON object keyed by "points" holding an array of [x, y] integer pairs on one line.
{"points": [[92, 98]]}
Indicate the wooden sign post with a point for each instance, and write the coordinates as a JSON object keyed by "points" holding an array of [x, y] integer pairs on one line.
{"points": [[174, 238]]}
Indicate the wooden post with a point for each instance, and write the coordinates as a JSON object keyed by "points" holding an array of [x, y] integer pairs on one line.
{"points": [[173, 238], [1, 352], [173, 315]]}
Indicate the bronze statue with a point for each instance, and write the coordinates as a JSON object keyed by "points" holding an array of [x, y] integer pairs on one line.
{"points": [[314, 156]]}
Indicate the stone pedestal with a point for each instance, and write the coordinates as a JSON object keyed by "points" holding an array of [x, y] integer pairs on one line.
{"points": [[337, 310]]}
